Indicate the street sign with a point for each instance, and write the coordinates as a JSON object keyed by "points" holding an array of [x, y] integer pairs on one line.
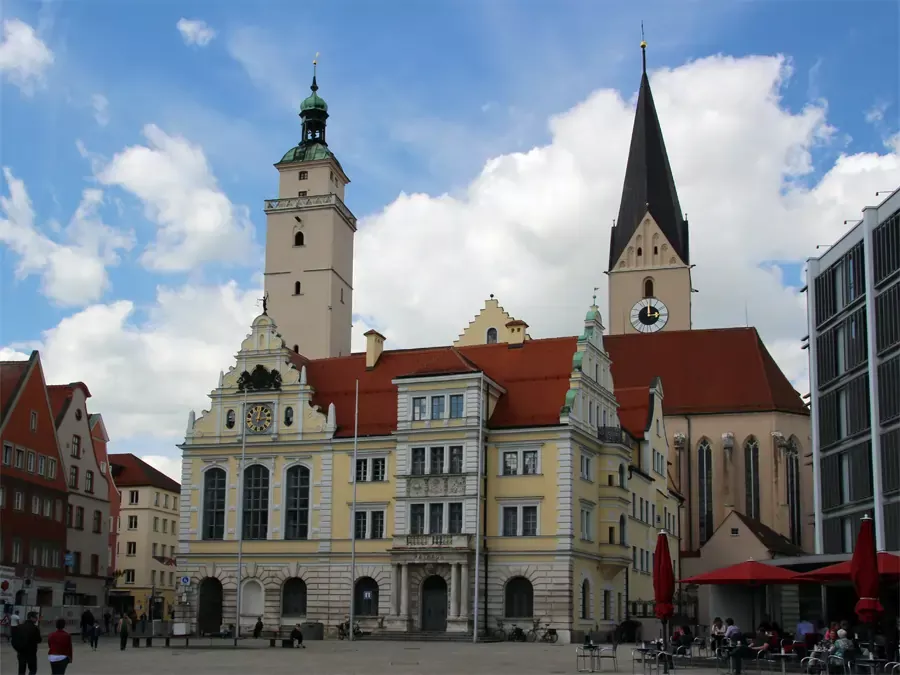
{"points": [[185, 581], [69, 559]]}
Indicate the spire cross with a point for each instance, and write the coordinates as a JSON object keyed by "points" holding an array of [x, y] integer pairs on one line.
{"points": [[315, 86], [596, 288], [643, 48]]}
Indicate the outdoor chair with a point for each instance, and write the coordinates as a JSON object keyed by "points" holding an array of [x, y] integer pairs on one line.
{"points": [[610, 651], [587, 657]]}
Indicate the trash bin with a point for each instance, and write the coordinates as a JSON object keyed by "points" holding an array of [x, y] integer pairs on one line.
{"points": [[158, 628]]}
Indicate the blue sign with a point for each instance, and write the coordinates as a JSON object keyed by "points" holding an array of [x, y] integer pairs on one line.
{"points": [[69, 559]]}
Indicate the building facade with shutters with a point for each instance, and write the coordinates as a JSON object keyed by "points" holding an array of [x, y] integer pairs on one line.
{"points": [[853, 299]]}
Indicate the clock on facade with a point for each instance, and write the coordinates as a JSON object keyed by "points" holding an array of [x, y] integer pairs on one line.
{"points": [[649, 315], [259, 418]]}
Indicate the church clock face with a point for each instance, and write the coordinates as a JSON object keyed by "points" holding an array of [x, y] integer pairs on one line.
{"points": [[649, 315], [259, 418]]}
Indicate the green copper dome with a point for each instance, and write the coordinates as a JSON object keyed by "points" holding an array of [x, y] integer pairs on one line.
{"points": [[592, 313], [313, 102]]}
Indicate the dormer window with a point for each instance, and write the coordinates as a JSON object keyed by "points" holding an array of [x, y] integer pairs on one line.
{"points": [[492, 336]]}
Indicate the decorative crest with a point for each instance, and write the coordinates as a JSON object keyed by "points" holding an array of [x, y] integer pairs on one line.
{"points": [[261, 379]]}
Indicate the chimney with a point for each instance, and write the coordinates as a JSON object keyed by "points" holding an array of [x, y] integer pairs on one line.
{"points": [[516, 329], [374, 347]]}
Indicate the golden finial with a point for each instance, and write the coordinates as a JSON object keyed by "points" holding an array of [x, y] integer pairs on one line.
{"points": [[643, 49], [315, 63]]}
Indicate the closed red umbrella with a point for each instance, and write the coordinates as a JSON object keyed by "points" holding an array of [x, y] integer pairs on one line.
{"points": [[888, 566], [663, 586], [864, 573]]}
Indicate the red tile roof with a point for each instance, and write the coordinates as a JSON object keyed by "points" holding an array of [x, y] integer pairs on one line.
{"points": [[535, 375], [131, 471], [725, 370], [11, 375], [634, 407], [61, 395]]}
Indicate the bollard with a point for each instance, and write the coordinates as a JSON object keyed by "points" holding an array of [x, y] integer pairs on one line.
{"points": [[167, 642]]}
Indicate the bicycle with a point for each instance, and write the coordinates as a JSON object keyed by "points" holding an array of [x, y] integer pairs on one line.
{"points": [[546, 635], [500, 631], [516, 634]]}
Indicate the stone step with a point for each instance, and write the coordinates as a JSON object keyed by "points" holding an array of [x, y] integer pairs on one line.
{"points": [[422, 636]]}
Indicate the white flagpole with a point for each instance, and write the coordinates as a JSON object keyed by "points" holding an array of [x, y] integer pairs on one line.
{"points": [[353, 513], [240, 516]]}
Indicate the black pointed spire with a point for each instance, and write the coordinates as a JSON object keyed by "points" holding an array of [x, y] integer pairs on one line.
{"points": [[649, 184]]}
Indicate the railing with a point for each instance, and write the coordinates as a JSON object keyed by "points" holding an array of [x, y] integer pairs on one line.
{"points": [[292, 203], [433, 541], [615, 435]]}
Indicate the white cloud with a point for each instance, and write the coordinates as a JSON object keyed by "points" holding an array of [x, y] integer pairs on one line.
{"points": [[72, 271], [195, 32], [100, 104], [532, 228], [171, 466], [23, 56], [197, 222]]}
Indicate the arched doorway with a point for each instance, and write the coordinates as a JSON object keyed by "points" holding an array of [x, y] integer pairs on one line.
{"points": [[434, 604], [209, 612]]}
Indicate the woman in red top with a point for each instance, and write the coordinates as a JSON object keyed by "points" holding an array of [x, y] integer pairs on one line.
{"points": [[60, 643]]}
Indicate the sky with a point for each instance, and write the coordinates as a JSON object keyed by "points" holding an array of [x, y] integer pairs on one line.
{"points": [[486, 143]]}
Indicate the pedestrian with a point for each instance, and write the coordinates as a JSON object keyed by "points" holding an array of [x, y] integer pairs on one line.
{"points": [[258, 628], [95, 636], [143, 623], [60, 644], [87, 622], [25, 640], [106, 620], [297, 636], [14, 620], [123, 632]]}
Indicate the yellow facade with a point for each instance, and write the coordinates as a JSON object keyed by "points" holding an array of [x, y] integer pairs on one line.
{"points": [[541, 531]]}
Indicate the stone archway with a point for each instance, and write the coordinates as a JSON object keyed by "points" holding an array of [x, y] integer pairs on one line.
{"points": [[209, 613], [434, 604]]}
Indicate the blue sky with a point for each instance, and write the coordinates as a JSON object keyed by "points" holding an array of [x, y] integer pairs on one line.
{"points": [[420, 94]]}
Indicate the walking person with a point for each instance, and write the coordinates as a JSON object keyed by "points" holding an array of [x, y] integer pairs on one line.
{"points": [[106, 620], [123, 632], [60, 644], [95, 636], [87, 622], [258, 628], [25, 640]]}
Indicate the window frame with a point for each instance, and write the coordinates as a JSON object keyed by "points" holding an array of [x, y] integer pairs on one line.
{"points": [[369, 462], [293, 503], [418, 408], [586, 466], [520, 506], [367, 511], [445, 516], [461, 399], [213, 517], [520, 460], [257, 527]]}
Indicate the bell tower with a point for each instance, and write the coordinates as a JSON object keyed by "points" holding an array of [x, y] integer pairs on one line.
{"points": [[309, 242], [649, 253]]}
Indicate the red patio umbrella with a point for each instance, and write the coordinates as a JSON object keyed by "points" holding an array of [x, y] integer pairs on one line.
{"points": [[663, 586], [888, 566], [864, 572], [749, 573]]}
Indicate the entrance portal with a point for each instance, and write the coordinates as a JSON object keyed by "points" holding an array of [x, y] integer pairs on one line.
{"points": [[209, 615], [434, 604]]}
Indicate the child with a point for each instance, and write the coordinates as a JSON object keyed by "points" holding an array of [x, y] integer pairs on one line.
{"points": [[95, 635]]}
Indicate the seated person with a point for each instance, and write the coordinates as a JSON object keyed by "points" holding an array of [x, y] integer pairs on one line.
{"points": [[297, 635], [843, 647]]}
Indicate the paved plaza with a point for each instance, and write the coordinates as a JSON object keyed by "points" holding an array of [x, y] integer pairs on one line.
{"points": [[331, 656]]}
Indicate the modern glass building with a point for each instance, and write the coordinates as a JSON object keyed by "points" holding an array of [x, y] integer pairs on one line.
{"points": [[853, 301]]}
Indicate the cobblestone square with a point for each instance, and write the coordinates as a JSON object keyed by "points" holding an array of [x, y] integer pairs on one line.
{"points": [[363, 657]]}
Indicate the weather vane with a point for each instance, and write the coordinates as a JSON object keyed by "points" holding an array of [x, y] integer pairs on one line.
{"points": [[315, 62], [265, 303], [596, 288]]}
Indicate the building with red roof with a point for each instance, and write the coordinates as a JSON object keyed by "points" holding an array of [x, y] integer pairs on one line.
{"points": [[33, 494], [100, 439]]}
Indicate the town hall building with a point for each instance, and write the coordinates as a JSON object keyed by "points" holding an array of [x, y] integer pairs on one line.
{"points": [[499, 480]]}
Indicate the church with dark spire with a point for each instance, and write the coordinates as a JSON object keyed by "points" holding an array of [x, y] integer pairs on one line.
{"points": [[649, 245]]}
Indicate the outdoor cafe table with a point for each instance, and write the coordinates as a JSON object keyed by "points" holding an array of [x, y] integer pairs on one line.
{"points": [[783, 657]]}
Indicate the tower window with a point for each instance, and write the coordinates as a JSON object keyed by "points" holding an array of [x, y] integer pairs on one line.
{"points": [[302, 193], [298, 239], [492, 336], [656, 250], [296, 288], [648, 288], [640, 251], [296, 349], [304, 175]]}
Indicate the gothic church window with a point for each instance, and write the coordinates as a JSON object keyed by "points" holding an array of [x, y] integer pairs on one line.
{"points": [[229, 419], [655, 250], [492, 336], [214, 504], [640, 251], [296, 516], [648, 288], [298, 238], [255, 518], [751, 474], [296, 288], [704, 466]]}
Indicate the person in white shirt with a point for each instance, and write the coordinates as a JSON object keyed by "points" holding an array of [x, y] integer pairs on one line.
{"points": [[15, 619]]}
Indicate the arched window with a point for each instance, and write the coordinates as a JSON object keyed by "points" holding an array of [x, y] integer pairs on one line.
{"points": [[255, 518], [296, 503], [623, 482], [229, 419], [293, 597], [296, 349], [296, 288], [365, 597], [214, 504], [623, 532], [640, 251], [88, 481], [288, 416], [793, 489], [751, 476], [648, 288], [585, 599], [655, 250], [492, 336], [519, 598], [298, 239], [705, 470], [252, 603]]}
